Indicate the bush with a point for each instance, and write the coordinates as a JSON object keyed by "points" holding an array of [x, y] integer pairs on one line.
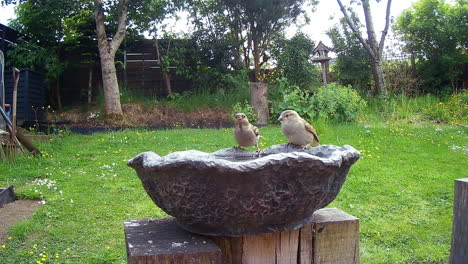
{"points": [[333, 102], [336, 102], [245, 108], [291, 97], [455, 110]]}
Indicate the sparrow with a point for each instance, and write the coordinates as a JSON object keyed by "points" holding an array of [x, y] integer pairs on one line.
{"points": [[245, 133], [297, 130]]}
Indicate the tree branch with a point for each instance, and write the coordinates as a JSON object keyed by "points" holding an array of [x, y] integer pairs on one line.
{"points": [[121, 28], [100, 27], [355, 30], [385, 31]]}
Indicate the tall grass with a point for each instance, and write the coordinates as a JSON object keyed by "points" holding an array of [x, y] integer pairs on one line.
{"points": [[403, 108]]}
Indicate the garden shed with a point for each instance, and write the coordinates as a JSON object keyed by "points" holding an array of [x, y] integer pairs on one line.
{"points": [[8, 37], [31, 94]]}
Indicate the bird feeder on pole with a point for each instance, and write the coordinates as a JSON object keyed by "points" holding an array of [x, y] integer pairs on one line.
{"points": [[322, 51]]}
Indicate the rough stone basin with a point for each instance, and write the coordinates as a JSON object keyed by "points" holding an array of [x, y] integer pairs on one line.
{"points": [[234, 192]]}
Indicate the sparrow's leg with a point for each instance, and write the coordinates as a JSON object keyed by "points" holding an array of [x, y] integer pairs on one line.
{"points": [[258, 151]]}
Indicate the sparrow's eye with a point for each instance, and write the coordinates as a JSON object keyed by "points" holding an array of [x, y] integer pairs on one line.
{"points": [[287, 115]]}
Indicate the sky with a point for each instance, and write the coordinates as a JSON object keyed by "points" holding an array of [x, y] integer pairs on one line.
{"points": [[326, 15]]}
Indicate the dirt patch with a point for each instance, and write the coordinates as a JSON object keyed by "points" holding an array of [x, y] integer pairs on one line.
{"points": [[141, 115], [13, 213]]}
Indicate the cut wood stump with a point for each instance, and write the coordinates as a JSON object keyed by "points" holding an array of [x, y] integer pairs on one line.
{"points": [[332, 237], [459, 250]]}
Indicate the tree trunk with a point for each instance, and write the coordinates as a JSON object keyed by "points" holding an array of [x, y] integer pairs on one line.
{"points": [[259, 101], [167, 82], [377, 71], [57, 94], [256, 54], [107, 50], [166, 76], [373, 48], [110, 86]]}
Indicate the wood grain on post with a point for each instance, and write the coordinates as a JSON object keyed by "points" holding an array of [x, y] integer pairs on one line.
{"points": [[459, 250], [332, 237], [335, 237], [162, 241]]}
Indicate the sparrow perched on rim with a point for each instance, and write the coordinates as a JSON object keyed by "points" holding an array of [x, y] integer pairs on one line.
{"points": [[245, 133], [297, 130]]}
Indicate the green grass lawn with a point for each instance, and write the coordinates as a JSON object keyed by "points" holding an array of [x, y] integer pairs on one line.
{"points": [[401, 190]]}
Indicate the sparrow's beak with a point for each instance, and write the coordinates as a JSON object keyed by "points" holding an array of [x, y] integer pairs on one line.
{"points": [[280, 119]]}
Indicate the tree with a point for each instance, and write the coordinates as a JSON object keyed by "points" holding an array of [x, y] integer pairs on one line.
{"points": [[250, 26], [352, 66], [293, 60], [111, 27], [107, 49], [373, 47], [436, 33], [44, 24]]}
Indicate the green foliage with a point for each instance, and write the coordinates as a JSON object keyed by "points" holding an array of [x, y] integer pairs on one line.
{"points": [[352, 65], [212, 80], [406, 109], [435, 31], [400, 78], [293, 57], [336, 102], [454, 111], [246, 108], [241, 28], [333, 102], [292, 97]]}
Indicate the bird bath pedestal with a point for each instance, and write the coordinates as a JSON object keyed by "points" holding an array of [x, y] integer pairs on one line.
{"points": [[234, 206]]}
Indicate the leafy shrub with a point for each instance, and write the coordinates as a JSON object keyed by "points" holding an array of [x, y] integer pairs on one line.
{"points": [[245, 108], [400, 78], [291, 97], [333, 102], [336, 102], [293, 60], [455, 110]]}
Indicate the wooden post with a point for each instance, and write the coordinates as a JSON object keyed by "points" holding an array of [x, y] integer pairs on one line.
{"points": [[459, 250], [335, 238], [324, 73], [162, 241], [331, 237], [259, 102]]}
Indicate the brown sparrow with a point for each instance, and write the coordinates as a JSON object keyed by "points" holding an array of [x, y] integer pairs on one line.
{"points": [[245, 133], [297, 130]]}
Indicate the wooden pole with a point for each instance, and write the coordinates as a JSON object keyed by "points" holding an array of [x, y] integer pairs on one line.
{"points": [[459, 250], [90, 84], [16, 76], [324, 73]]}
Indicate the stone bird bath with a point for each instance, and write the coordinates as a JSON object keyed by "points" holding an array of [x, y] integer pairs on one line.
{"points": [[234, 192]]}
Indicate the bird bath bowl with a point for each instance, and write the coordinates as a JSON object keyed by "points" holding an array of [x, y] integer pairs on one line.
{"points": [[235, 192]]}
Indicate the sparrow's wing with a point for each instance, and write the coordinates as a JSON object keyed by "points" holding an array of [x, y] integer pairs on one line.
{"points": [[310, 129], [255, 130]]}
